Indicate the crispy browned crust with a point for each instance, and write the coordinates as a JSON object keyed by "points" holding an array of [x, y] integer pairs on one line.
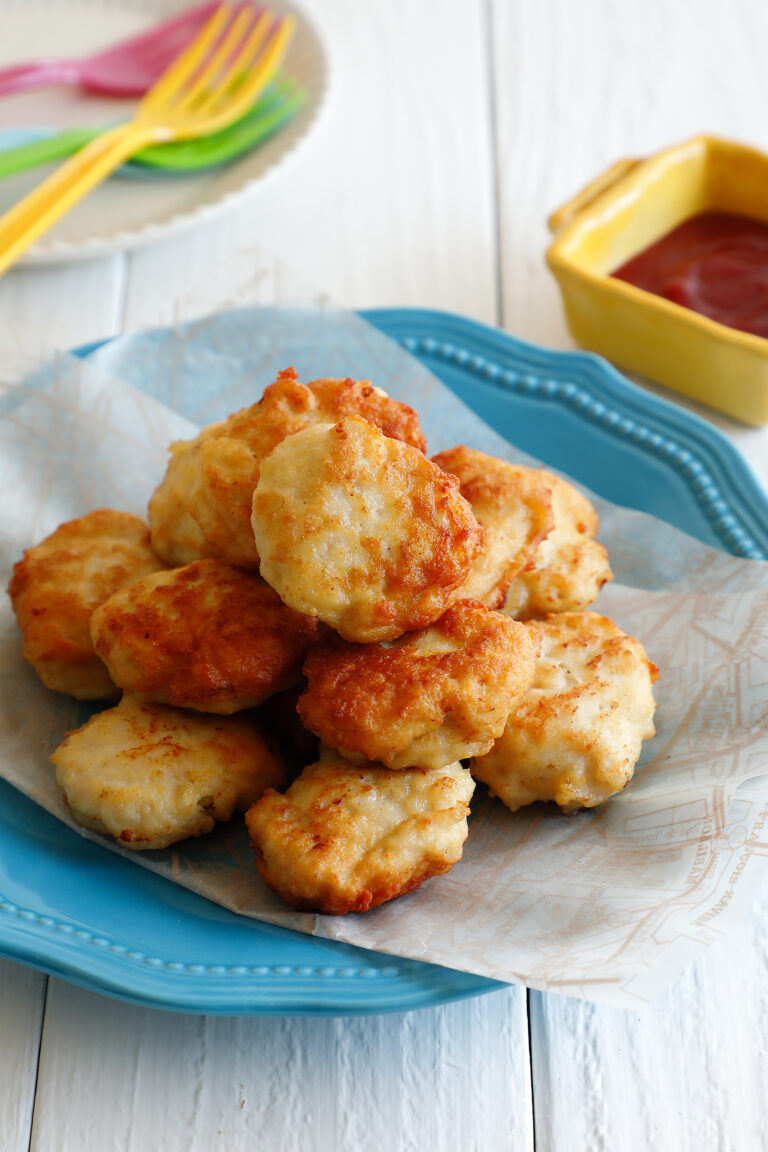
{"points": [[331, 903], [57, 585], [576, 735], [361, 530], [431, 575], [176, 536], [346, 839], [227, 466], [514, 509], [288, 406], [149, 775], [208, 636], [569, 567], [433, 697], [203, 505], [219, 500], [339, 398]]}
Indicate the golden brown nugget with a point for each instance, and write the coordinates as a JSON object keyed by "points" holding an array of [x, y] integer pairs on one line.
{"points": [[577, 734], [57, 585], [569, 567], [176, 535], [208, 636], [362, 531], [149, 775], [514, 509], [203, 506], [426, 700], [346, 839], [220, 497]]}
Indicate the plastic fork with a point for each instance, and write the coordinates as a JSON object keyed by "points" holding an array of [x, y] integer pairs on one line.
{"points": [[210, 85], [276, 107], [129, 68]]}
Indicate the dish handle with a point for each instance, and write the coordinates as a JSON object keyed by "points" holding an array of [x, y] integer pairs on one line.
{"points": [[589, 193]]}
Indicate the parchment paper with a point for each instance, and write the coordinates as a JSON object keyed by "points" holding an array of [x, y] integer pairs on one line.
{"points": [[606, 904]]}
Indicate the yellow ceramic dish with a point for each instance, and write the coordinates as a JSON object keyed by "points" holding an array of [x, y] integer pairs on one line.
{"points": [[618, 215]]}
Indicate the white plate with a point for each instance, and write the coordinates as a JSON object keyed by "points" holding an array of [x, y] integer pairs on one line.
{"points": [[123, 213]]}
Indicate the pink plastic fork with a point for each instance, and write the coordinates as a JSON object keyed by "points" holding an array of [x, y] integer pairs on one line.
{"points": [[129, 68]]}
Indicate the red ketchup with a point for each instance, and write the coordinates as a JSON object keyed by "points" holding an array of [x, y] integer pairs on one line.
{"points": [[715, 264]]}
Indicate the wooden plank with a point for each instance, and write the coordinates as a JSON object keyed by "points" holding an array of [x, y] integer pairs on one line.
{"points": [[22, 995], [389, 201], [44, 309], [113, 1076], [683, 1074], [577, 87]]}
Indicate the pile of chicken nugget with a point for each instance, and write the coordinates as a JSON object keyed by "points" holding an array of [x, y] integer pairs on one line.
{"points": [[330, 631]]}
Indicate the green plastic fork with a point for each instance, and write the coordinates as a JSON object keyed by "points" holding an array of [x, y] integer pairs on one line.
{"points": [[276, 107]]}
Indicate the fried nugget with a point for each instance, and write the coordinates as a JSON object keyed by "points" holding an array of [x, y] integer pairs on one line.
{"points": [[148, 775], [176, 535], [219, 498], [203, 506], [577, 734], [57, 585], [362, 531], [569, 567], [346, 839], [428, 699], [514, 509], [208, 636]]}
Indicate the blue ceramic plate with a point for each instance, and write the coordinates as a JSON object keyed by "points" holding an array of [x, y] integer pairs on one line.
{"points": [[71, 908]]}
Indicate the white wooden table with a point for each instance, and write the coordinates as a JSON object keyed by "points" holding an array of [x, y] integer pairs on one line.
{"points": [[456, 126]]}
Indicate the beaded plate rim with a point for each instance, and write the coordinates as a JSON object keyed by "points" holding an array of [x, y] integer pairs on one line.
{"points": [[61, 947]]}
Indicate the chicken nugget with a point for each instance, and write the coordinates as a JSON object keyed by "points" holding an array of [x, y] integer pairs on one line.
{"points": [[57, 585], [362, 531], [176, 535], [208, 636], [203, 506], [569, 567], [346, 839], [288, 406], [514, 509], [220, 496], [577, 734], [426, 700], [149, 775]]}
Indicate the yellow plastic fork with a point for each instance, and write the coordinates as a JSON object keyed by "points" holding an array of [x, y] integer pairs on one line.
{"points": [[212, 83]]}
